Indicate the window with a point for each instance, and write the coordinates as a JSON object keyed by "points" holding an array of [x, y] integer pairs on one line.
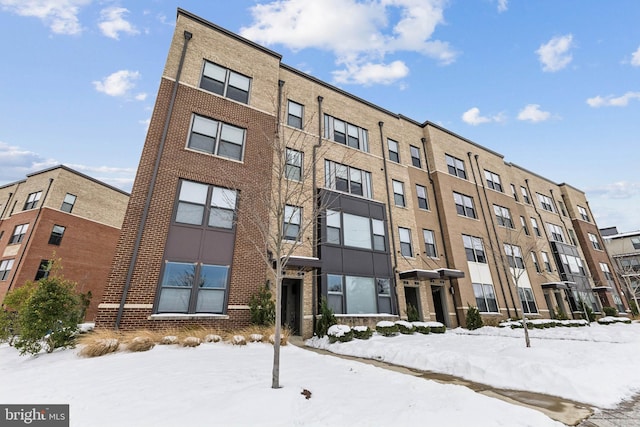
{"points": [[493, 181], [68, 202], [333, 227], [583, 213], [503, 216], [291, 226], [545, 202], [347, 179], [294, 115], [430, 243], [528, 302], [485, 298], [534, 258], [217, 138], [556, 232], [474, 249], [293, 168], [464, 205], [398, 193], [379, 239], [514, 256], [595, 242], [357, 231], [455, 167], [405, 242], [5, 268], [345, 133], [358, 295], [534, 225], [199, 201], [547, 263], [572, 236], [635, 241], [525, 195], [56, 235], [415, 156], [193, 288], [225, 82], [43, 270], [394, 156], [32, 200], [421, 192], [523, 222], [562, 208], [18, 233], [607, 273], [514, 192], [572, 264]]}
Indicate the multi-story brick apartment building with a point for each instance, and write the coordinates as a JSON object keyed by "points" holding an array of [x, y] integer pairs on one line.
{"points": [[59, 213], [624, 248], [407, 212]]}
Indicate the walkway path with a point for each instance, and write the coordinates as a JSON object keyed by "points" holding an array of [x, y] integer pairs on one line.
{"points": [[557, 408]]}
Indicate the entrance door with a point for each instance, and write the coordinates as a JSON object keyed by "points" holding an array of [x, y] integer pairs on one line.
{"points": [[291, 304], [438, 304], [412, 298]]}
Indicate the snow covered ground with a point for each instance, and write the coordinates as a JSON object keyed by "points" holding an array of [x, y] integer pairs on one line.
{"points": [[226, 385]]}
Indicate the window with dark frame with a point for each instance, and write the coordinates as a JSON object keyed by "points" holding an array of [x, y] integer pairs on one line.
{"points": [[333, 227], [430, 243], [415, 156], [347, 179], [205, 205], [493, 181], [398, 193], [421, 193], [503, 216], [5, 268], [394, 154], [455, 167], [56, 235], [545, 202], [217, 138], [32, 200], [406, 249], [292, 222], [464, 205], [346, 133], [528, 302], [18, 233], [474, 249], [43, 270], [225, 82], [293, 168], [485, 297], [556, 232], [68, 203], [294, 114], [514, 256]]}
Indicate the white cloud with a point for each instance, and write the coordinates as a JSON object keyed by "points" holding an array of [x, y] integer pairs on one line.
{"points": [[120, 84], [635, 58], [61, 16], [141, 96], [611, 101], [554, 55], [502, 5], [16, 162], [616, 190], [361, 34], [533, 113], [113, 23], [472, 117]]}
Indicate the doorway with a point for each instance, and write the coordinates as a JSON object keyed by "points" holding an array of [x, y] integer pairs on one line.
{"points": [[412, 298], [291, 303], [438, 303]]}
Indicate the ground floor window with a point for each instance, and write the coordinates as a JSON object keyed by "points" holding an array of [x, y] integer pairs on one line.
{"points": [[193, 288], [618, 302], [485, 297], [358, 295], [528, 302]]}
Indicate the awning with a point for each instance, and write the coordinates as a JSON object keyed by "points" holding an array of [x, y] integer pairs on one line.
{"points": [[558, 285], [602, 288], [417, 274], [304, 263], [450, 273]]}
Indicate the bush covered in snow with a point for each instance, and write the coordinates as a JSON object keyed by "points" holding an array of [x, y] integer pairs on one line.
{"points": [[422, 327], [339, 333], [387, 328], [169, 339], [405, 327], [255, 338], [543, 323], [362, 332], [100, 347], [436, 327], [141, 343], [613, 319], [212, 338], [191, 342], [238, 340]]}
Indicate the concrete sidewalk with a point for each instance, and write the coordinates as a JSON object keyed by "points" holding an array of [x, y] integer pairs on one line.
{"points": [[559, 409]]}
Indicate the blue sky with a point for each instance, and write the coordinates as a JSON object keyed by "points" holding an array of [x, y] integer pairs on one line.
{"points": [[552, 85]]}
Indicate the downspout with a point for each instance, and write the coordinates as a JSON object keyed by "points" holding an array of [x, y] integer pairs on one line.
{"points": [[152, 182], [444, 244], [495, 232], [316, 242], [553, 199], [391, 238], [26, 244]]}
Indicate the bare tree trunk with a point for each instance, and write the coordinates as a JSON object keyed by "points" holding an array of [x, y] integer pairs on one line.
{"points": [[275, 374]]}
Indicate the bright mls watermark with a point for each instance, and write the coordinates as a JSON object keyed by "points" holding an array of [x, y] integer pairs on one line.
{"points": [[34, 415]]}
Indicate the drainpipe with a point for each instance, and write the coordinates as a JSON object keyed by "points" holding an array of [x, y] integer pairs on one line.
{"points": [[26, 243], [444, 244], [393, 240], [493, 251], [316, 240], [152, 182]]}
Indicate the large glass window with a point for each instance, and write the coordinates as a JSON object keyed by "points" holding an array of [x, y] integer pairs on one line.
{"points": [[430, 243], [493, 181], [345, 133], [398, 193], [421, 193], [56, 235], [357, 231], [474, 249], [198, 201], [406, 249], [32, 200], [68, 203], [464, 205], [292, 221], [18, 233], [293, 167], [294, 114], [347, 179], [455, 166], [358, 295], [503, 216], [528, 302], [361, 295], [415, 156], [225, 82], [5, 268], [193, 288], [485, 297], [217, 138]]}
